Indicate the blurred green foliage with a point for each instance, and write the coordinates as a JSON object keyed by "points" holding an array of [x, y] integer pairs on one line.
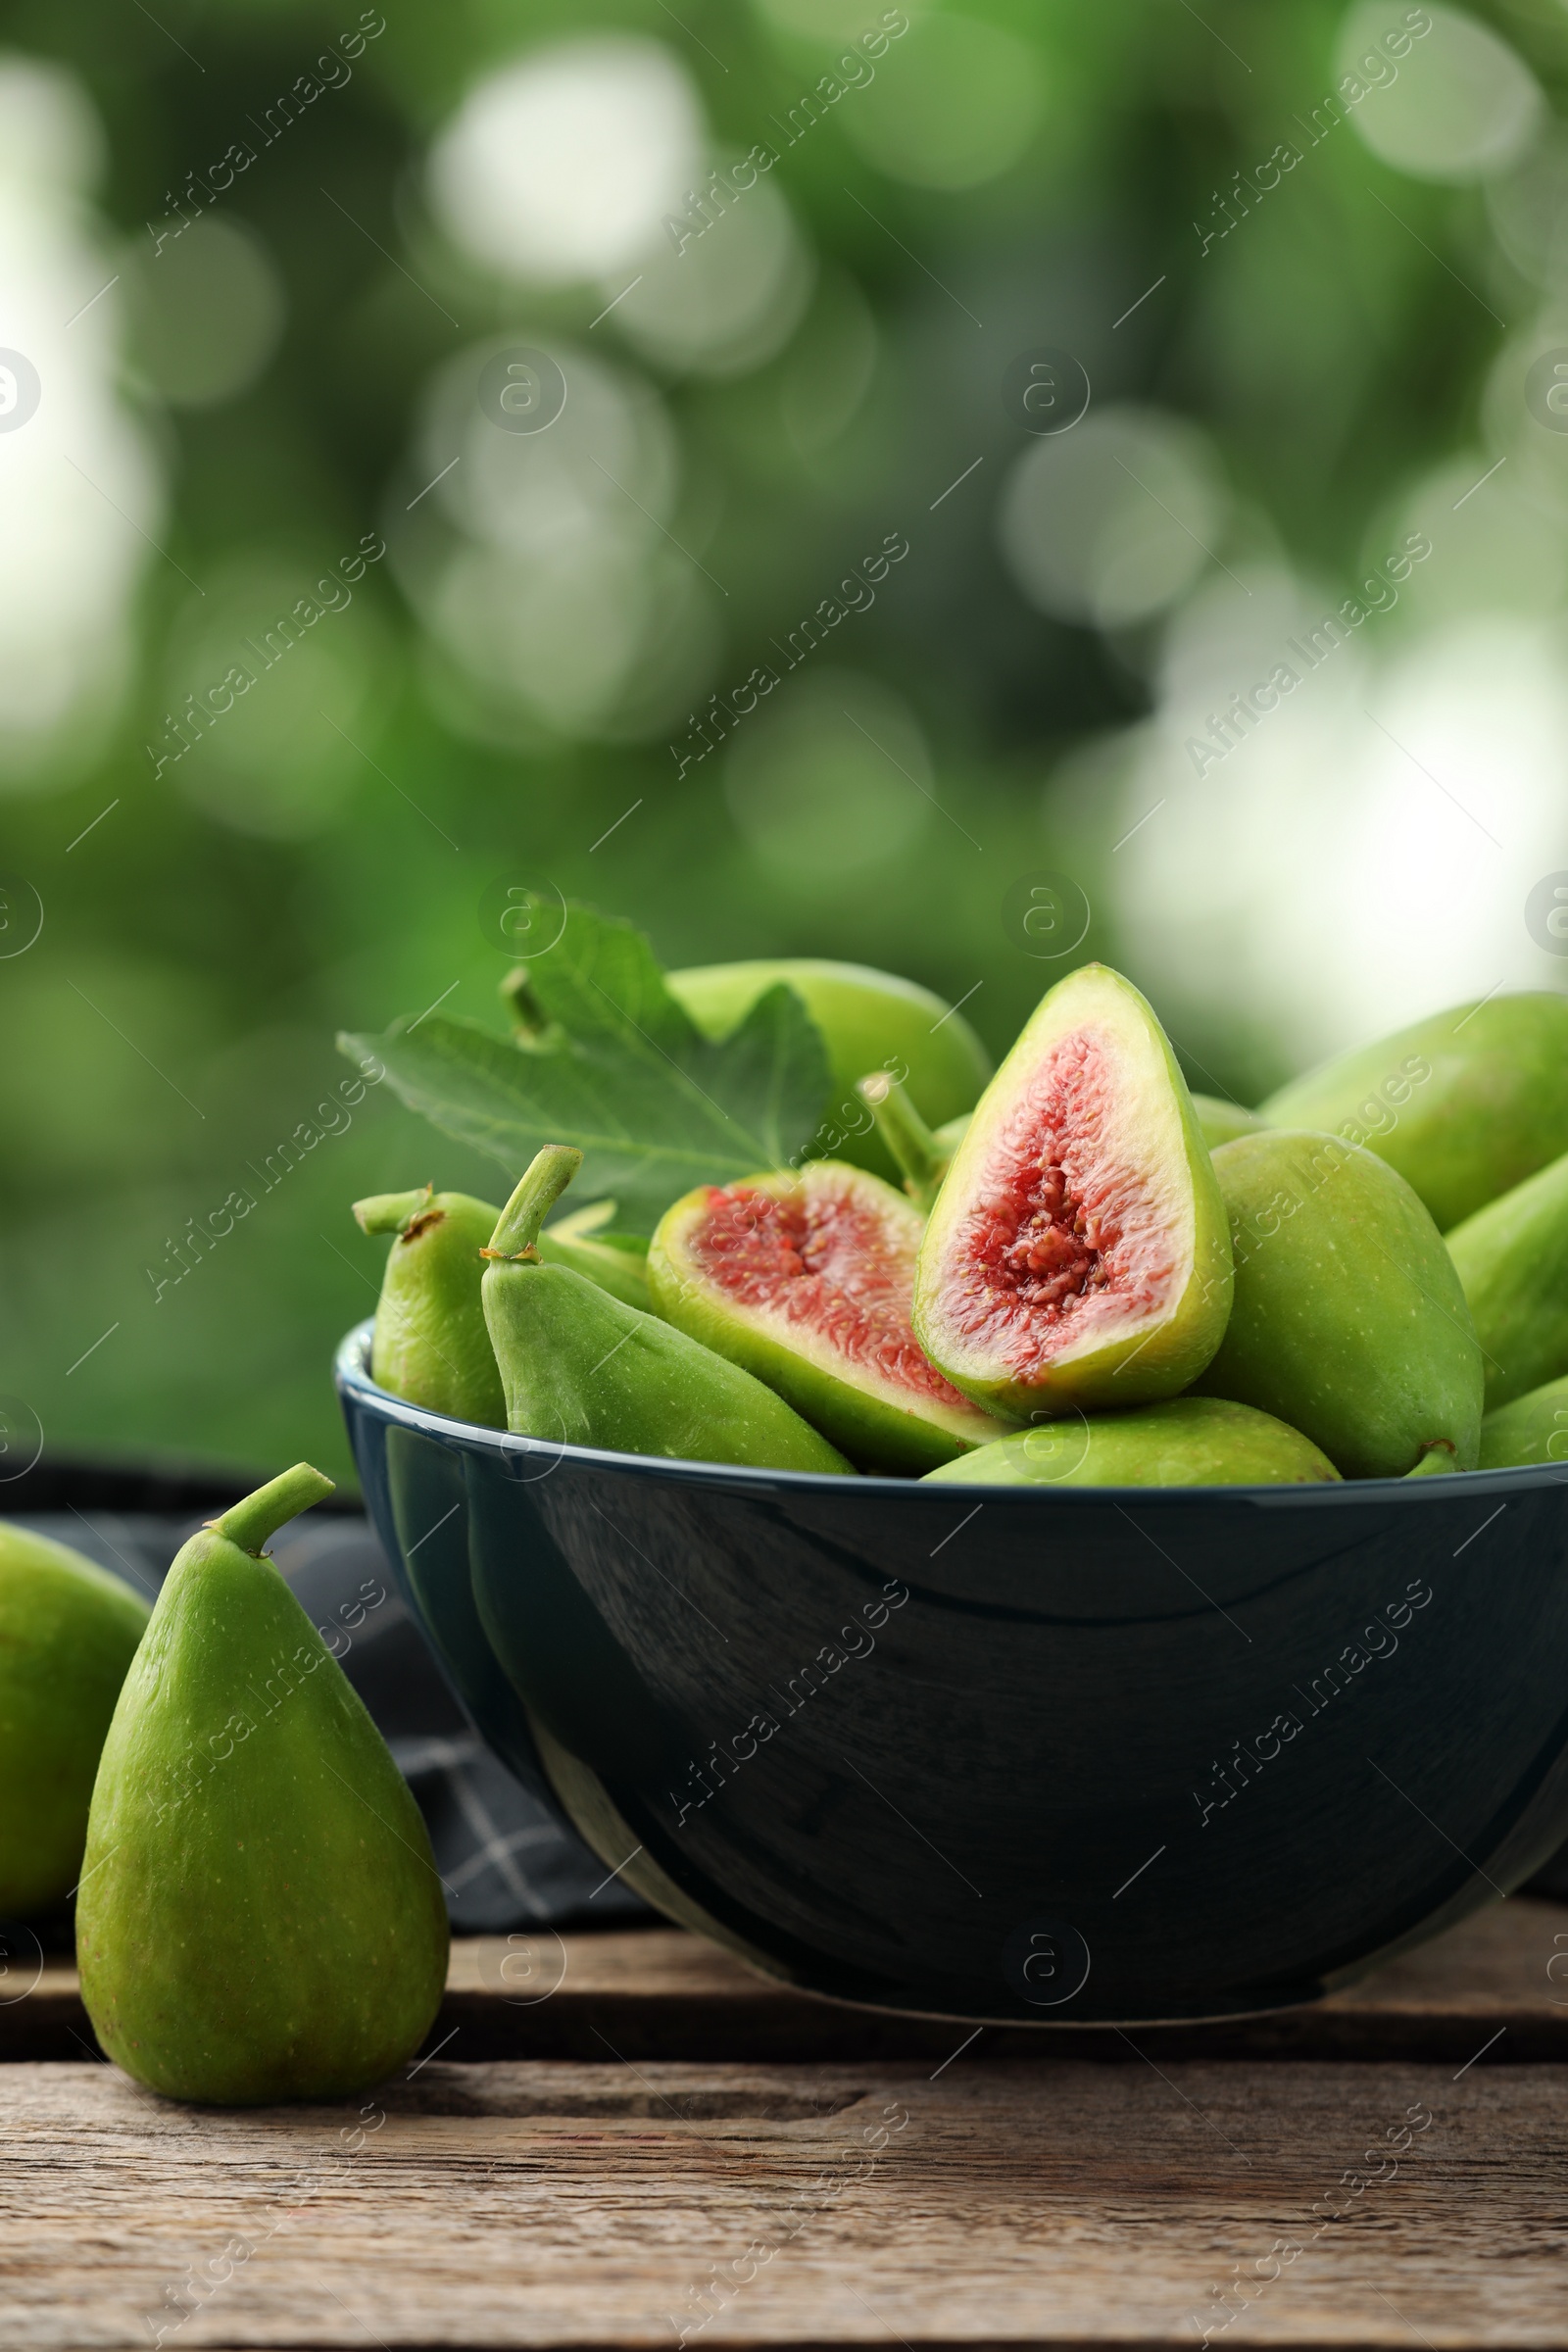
{"points": [[173, 1021]]}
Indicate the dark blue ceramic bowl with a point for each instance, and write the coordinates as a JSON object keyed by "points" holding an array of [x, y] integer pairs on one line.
{"points": [[1055, 1755]]}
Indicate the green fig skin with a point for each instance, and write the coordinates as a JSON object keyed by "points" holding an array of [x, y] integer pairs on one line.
{"points": [[260, 1917], [1532, 1429], [1513, 1257], [582, 1368], [1136, 1150], [430, 1344], [1221, 1122], [618, 1266], [1465, 1104], [1348, 1320], [1186, 1441], [902, 1426], [869, 1020], [69, 1630]]}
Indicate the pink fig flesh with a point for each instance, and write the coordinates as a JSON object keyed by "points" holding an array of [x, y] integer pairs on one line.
{"points": [[1079, 1252], [807, 1281]]}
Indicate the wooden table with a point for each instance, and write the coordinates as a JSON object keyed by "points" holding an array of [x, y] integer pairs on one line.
{"points": [[628, 2140]]}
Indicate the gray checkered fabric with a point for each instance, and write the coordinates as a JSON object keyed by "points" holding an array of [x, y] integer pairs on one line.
{"points": [[506, 1859]]}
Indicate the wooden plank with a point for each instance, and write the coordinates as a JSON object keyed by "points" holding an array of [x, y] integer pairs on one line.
{"points": [[666, 1994], [660, 1992], [649, 2205]]}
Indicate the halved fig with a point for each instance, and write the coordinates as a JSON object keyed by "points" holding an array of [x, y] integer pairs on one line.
{"points": [[1079, 1252], [806, 1280]]}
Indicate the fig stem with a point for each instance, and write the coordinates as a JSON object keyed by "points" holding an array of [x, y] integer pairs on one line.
{"points": [[920, 1157], [540, 1186], [249, 1523], [1436, 1460], [390, 1212]]}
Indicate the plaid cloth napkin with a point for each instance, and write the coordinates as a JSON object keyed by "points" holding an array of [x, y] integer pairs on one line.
{"points": [[507, 1859]]}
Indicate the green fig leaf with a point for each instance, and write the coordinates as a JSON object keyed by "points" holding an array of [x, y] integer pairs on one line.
{"points": [[653, 1106]]}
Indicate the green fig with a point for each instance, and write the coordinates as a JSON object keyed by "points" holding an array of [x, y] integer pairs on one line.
{"points": [[869, 1020], [617, 1262], [582, 1368], [1465, 1104], [1221, 1122], [1513, 1257], [260, 1918], [1532, 1429], [1348, 1320], [67, 1633], [807, 1281], [430, 1344], [1078, 1254], [1186, 1441]]}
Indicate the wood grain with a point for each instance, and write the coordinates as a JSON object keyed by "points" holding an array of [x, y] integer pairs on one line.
{"points": [[528, 2203], [658, 1993]]}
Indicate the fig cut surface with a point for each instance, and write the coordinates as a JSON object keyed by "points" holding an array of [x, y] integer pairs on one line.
{"points": [[1079, 1252], [807, 1281]]}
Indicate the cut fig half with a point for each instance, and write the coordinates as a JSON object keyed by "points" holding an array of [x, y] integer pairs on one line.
{"points": [[1078, 1254], [807, 1279]]}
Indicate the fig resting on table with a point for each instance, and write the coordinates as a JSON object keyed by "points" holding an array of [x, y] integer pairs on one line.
{"points": [[260, 1916]]}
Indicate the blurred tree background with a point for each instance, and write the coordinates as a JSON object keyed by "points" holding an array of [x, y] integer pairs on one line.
{"points": [[256, 259]]}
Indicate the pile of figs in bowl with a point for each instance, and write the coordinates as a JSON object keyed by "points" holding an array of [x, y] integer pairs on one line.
{"points": [[1114, 1572]]}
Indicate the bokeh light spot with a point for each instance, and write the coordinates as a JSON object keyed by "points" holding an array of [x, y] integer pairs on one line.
{"points": [[1459, 103], [727, 298], [561, 166], [1111, 521]]}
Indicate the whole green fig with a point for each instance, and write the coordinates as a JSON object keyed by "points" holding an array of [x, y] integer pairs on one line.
{"points": [[869, 1020], [1465, 1104], [1532, 1429], [260, 1918], [67, 1633], [582, 1368], [430, 1344], [1186, 1441], [1348, 1320], [1513, 1257]]}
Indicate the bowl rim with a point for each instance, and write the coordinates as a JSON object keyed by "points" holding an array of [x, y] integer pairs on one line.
{"points": [[352, 1374]]}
